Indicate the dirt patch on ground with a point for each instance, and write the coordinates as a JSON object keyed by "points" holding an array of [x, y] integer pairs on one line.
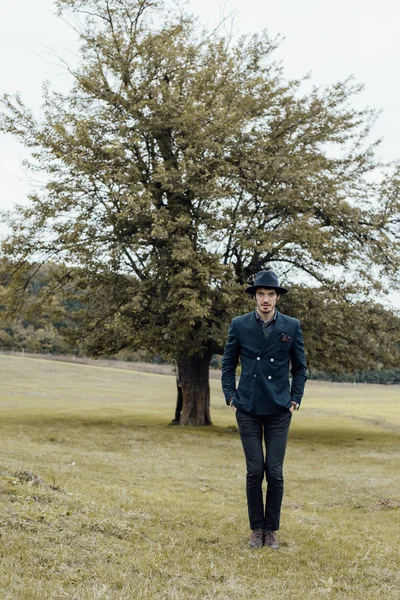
{"points": [[292, 505], [385, 504]]}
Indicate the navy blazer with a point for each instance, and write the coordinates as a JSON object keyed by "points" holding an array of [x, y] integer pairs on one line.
{"points": [[264, 386]]}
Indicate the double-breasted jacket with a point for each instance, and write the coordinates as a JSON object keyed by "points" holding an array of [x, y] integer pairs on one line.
{"points": [[264, 386]]}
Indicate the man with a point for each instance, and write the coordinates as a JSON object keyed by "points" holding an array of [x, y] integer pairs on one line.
{"points": [[266, 341]]}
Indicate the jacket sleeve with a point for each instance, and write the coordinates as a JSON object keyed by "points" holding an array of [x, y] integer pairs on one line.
{"points": [[299, 366], [230, 361]]}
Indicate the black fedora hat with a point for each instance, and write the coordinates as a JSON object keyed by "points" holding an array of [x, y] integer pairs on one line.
{"points": [[266, 279]]}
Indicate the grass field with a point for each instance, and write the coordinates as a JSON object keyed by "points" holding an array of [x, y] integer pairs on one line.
{"points": [[100, 498]]}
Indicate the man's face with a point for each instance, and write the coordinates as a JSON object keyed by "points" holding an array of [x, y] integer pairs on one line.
{"points": [[266, 299]]}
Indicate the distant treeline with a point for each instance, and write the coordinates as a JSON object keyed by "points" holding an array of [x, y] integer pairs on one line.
{"points": [[24, 336], [387, 377], [45, 333]]}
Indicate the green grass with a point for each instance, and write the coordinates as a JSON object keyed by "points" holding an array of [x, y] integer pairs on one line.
{"points": [[127, 507]]}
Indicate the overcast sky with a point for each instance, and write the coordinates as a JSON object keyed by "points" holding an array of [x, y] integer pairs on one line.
{"points": [[330, 40]]}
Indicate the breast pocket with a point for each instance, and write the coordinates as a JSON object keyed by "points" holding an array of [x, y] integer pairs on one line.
{"points": [[282, 351]]}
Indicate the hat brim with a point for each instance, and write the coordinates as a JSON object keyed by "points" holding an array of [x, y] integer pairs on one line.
{"points": [[253, 288]]}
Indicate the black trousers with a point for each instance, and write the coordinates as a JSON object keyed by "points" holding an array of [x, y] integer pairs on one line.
{"points": [[274, 429]]}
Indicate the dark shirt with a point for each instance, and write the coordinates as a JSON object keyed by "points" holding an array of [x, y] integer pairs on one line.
{"points": [[266, 326]]}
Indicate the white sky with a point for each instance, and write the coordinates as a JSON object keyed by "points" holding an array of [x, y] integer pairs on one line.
{"points": [[330, 40]]}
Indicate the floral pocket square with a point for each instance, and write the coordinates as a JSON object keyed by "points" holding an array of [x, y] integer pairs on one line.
{"points": [[285, 338]]}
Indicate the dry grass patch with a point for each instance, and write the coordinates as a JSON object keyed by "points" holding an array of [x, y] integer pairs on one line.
{"points": [[100, 498]]}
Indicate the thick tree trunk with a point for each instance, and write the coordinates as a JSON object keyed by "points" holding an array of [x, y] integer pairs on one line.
{"points": [[193, 402]]}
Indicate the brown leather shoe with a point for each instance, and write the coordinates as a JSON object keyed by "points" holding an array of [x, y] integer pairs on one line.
{"points": [[270, 540], [256, 539]]}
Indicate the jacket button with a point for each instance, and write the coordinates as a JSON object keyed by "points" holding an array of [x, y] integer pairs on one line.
{"points": [[269, 377], [272, 359], [258, 358], [255, 375]]}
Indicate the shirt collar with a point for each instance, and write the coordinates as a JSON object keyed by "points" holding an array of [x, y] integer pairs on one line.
{"points": [[262, 320]]}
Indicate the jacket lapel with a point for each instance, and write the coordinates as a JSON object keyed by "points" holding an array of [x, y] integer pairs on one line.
{"points": [[256, 328]]}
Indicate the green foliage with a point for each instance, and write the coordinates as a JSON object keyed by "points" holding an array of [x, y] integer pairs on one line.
{"points": [[48, 331], [177, 167], [41, 340], [345, 334]]}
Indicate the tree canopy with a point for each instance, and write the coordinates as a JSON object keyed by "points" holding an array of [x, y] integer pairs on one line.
{"points": [[179, 165]]}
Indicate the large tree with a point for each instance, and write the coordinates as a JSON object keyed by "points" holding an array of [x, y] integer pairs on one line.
{"points": [[179, 165]]}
